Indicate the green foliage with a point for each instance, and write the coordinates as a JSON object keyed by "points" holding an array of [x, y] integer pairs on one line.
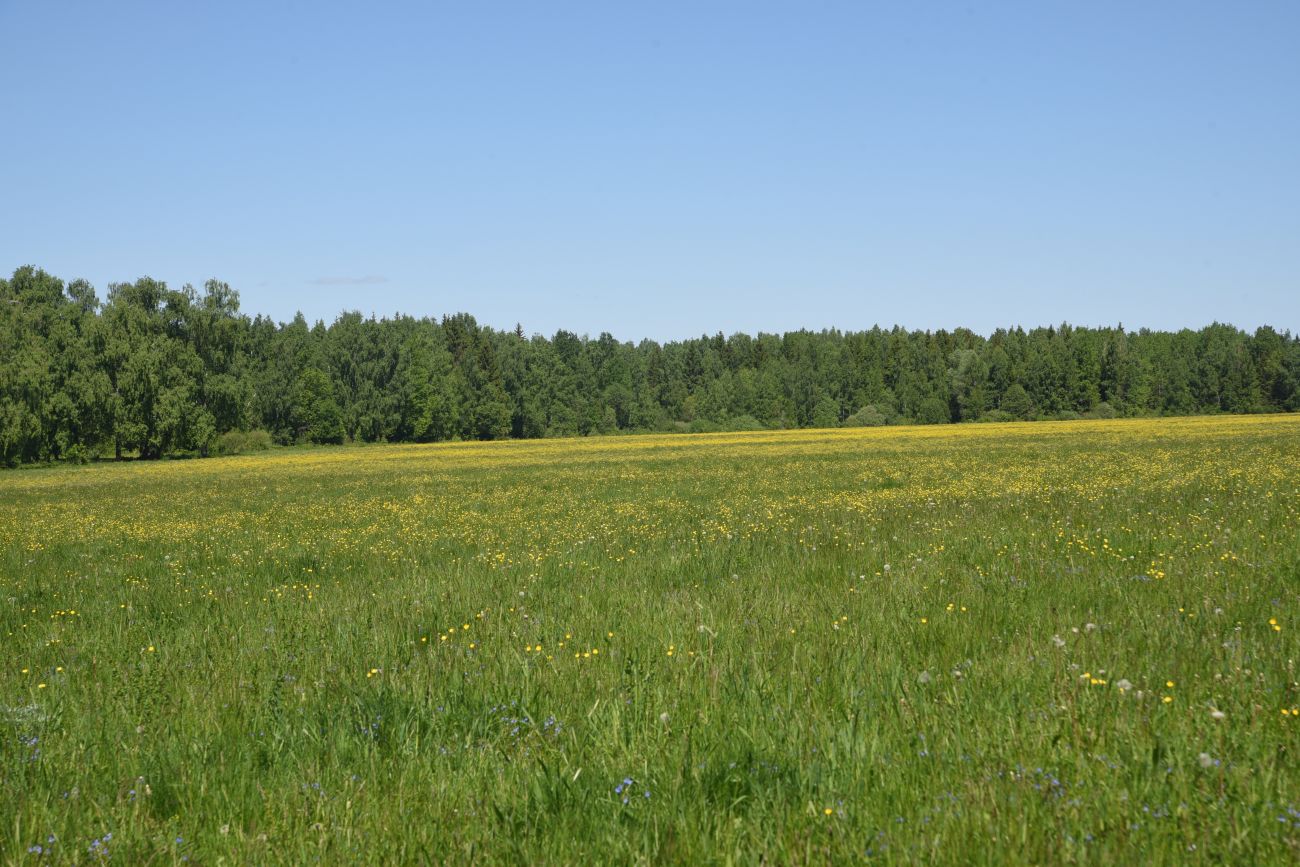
{"points": [[933, 410], [153, 371], [704, 425], [826, 413], [1102, 410], [745, 423], [240, 442], [320, 418], [491, 420], [871, 415], [1016, 403]]}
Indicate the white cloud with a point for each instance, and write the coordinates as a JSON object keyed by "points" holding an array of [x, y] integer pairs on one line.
{"points": [[349, 281]]}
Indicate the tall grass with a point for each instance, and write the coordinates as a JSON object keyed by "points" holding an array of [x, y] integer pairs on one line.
{"points": [[1002, 643]]}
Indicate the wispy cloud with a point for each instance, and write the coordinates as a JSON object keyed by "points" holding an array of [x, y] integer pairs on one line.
{"points": [[349, 281]]}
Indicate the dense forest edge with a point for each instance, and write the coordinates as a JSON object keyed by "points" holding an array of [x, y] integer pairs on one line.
{"points": [[153, 371]]}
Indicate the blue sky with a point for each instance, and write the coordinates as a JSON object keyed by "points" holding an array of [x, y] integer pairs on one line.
{"points": [[667, 169]]}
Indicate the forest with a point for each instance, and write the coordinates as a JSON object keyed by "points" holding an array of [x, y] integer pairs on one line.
{"points": [[151, 371]]}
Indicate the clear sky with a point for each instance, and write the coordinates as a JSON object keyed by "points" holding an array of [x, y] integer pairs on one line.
{"points": [[667, 169]]}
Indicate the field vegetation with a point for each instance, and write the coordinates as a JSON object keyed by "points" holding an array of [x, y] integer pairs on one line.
{"points": [[154, 371], [1053, 643]]}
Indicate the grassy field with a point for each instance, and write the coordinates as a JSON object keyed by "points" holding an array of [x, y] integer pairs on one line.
{"points": [[1050, 643]]}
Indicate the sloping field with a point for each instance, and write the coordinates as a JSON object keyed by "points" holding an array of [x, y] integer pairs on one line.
{"points": [[1043, 643]]}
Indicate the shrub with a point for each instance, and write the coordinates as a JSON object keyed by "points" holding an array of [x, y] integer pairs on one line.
{"points": [[871, 415], [997, 415], [745, 422], [1102, 410], [241, 442], [934, 411], [77, 454]]}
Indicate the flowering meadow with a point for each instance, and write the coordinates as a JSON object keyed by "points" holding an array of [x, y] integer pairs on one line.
{"points": [[1050, 643]]}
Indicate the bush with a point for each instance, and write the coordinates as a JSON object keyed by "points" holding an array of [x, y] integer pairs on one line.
{"points": [[1067, 415], [996, 415], [77, 454], [241, 442], [745, 422], [934, 411], [871, 415], [1102, 410]]}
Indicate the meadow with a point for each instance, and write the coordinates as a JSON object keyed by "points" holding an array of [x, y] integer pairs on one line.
{"points": [[1069, 642]]}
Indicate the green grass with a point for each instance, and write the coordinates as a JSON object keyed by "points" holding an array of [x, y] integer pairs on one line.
{"points": [[267, 664]]}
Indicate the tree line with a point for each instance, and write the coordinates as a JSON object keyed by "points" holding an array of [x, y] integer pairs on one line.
{"points": [[152, 371]]}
